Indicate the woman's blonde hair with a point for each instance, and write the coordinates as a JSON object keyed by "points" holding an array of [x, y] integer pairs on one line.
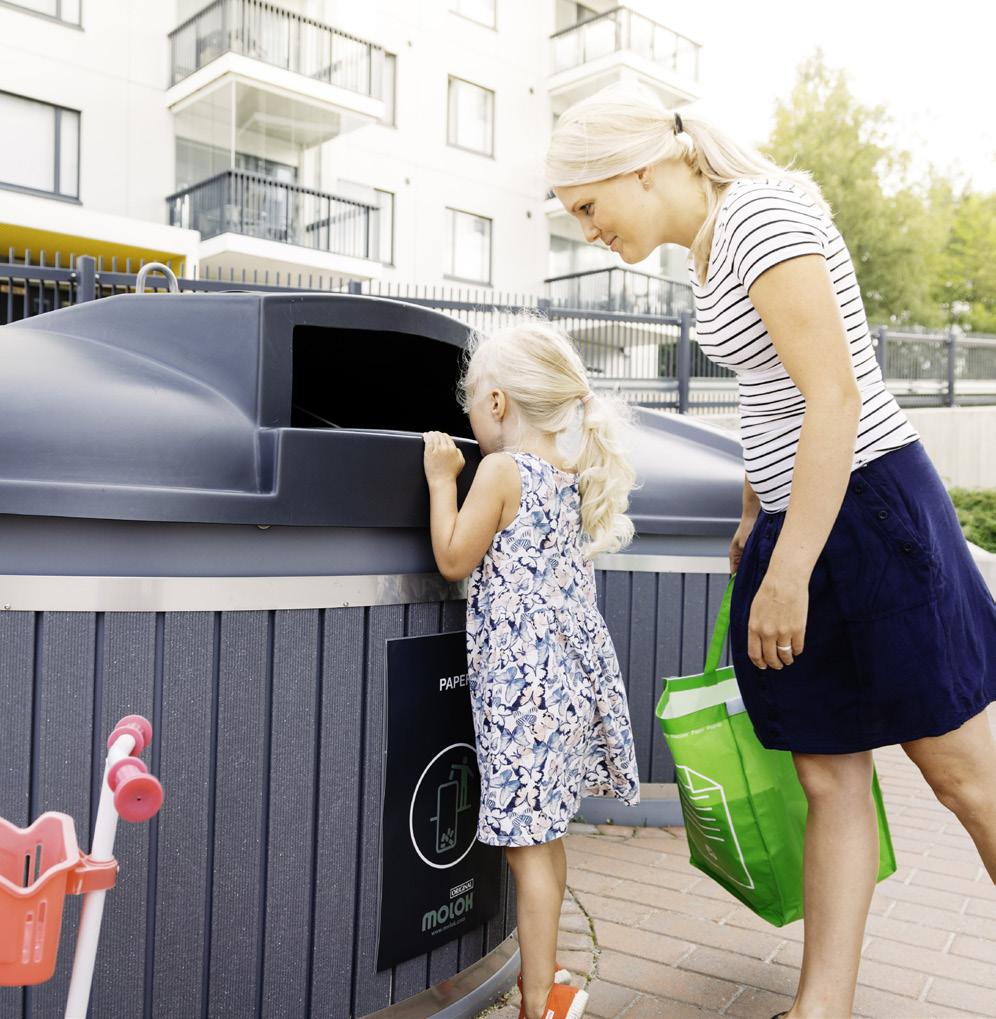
{"points": [[541, 372], [623, 127]]}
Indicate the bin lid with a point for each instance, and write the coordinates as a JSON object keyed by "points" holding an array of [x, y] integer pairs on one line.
{"points": [[300, 409]]}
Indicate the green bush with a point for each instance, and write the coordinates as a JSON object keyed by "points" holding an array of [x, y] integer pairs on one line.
{"points": [[977, 515]]}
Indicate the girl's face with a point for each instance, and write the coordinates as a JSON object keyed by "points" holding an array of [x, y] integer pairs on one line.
{"points": [[634, 213]]}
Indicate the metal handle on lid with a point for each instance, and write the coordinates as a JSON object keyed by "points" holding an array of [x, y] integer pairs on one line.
{"points": [[171, 283]]}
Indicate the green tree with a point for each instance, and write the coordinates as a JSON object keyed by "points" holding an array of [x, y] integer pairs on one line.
{"points": [[965, 285], [894, 240]]}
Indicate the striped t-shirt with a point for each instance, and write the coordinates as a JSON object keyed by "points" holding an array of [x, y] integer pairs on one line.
{"points": [[760, 223]]}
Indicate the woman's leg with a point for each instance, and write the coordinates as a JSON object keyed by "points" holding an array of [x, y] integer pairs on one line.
{"points": [[960, 767], [537, 871], [840, 868]]}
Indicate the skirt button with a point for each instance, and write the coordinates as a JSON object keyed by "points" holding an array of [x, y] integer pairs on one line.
{"points": [[907, 547], [858, 489], [882, 514]]}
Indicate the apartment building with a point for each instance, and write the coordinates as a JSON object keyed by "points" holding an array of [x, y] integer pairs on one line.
{"points": [[392, 140]]}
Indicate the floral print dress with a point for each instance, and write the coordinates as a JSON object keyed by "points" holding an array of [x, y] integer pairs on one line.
{"points": [[550, 712]]}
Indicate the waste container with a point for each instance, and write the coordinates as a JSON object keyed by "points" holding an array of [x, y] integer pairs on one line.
{"points": [[213, 512]]}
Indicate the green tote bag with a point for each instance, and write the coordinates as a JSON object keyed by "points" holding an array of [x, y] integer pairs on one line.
{"points": [[744, 809]]}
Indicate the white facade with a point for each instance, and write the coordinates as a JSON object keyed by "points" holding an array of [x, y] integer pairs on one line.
{"points": [[301, 155]]}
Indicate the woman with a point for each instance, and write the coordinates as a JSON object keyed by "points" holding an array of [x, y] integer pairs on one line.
{"points": [[859, 619]]}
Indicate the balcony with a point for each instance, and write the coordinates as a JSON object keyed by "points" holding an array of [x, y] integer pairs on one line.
{"points": [[248, 221], [619, 290], [309, 81], [622, 44]]}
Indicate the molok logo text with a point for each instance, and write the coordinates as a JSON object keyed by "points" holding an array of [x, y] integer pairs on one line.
{"points": [[448, 911]]}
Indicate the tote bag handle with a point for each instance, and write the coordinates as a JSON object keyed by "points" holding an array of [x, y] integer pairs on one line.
{"points": [[709, 677], [720, 630]]}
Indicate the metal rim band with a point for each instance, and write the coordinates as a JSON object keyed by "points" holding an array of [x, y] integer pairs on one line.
{"points": [[19, 593]]}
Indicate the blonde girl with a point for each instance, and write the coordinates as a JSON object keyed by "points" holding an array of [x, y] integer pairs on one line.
{"points": [[549, 704]]}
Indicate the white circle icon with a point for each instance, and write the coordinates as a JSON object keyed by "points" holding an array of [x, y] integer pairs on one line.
{"points": [[439, 819]]}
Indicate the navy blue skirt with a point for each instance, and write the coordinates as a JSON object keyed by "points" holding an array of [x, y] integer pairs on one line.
{"points": [[900, 637]]}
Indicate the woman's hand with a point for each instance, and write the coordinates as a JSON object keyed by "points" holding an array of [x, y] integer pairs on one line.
{"points": [[778, 617], [739, 541], [441, 459]]}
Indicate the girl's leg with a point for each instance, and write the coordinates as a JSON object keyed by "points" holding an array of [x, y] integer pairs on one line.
{"points": [[560, 861], [840, 868], [960, 767], [539, 896]]}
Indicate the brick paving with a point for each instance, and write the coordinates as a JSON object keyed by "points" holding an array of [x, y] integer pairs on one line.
{"points": [[651, 937]]}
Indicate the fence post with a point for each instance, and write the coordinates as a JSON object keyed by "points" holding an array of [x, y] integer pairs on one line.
{"points": [[355, 287], [952, 343], [543, 306], [86, 278], [684, 361], [881, 351]]}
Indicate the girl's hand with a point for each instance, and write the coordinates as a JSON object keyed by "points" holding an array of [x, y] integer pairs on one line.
{"points": [[739, 540], [442, 460], [777, 617]]}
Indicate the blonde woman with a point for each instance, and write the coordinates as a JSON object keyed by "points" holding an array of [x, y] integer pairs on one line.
{"points": [[859, 618], [550, 714]]}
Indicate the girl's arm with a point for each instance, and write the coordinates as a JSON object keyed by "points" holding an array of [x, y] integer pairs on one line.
{"points": [[460, 538], [799, 308]]}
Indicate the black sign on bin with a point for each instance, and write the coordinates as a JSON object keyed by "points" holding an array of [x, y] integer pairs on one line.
{"points": [[437, 880]]}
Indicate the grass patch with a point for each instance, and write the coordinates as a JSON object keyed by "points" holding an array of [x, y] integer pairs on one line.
{"points": [[977, 515]]}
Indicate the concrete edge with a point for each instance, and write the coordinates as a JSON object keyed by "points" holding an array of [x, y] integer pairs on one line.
{"points": [[659, 807], [986, 562]]}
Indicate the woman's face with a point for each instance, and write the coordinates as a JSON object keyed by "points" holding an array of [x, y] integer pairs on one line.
{"points": [[634, 213]]}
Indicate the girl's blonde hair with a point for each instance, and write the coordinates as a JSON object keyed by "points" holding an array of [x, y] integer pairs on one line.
{"points": [[538, 367], [623, 127]]}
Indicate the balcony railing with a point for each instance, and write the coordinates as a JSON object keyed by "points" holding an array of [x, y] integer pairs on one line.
{"points": [[278, 37], [246, 203], [623, 29], [620, 290]]}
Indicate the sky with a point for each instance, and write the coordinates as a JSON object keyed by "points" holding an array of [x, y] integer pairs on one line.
{"points": [[931, 65]]}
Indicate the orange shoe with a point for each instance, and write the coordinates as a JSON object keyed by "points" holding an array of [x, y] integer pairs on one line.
{"points": [[563, 1002], [561, 976]]}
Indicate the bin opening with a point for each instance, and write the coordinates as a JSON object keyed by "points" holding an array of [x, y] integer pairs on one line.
{"points": [[375, 380]]}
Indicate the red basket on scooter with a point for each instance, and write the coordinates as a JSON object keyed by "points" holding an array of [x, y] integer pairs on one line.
{"points": [[39, 866]]}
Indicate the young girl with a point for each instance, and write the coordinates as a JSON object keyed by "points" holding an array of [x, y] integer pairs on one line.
{"points": [[550, 711]]}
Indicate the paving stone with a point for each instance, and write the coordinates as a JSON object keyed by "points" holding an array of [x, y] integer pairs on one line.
{"points": [[581, 828], [706, 992], [647, 1007], [608, 1001], [640, 943]]}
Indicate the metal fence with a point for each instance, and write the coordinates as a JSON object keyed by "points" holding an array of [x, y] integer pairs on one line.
{"points": [[649, 355], [282, 38], [621, 29], [235, 201]]}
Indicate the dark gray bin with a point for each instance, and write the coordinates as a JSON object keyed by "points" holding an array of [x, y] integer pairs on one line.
{"points": [[213, 512]]}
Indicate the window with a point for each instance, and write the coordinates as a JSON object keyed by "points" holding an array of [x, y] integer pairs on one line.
{"points": [[471, 112], [482, 11], [390, 89], [62, 10], [568, 256], [468, 247], [46, 156], [569, 13]]}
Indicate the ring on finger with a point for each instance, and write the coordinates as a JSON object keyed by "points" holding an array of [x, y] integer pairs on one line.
{"points": [[784, 647]]}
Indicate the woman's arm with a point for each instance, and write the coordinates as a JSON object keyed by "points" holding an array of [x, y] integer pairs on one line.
{"points": [[751, 508], [799, 308]]}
